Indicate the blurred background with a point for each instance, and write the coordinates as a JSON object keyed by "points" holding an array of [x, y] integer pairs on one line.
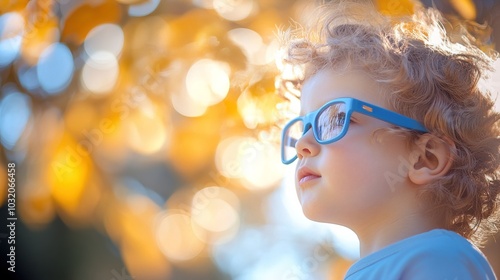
{"points": [[145, 137]]}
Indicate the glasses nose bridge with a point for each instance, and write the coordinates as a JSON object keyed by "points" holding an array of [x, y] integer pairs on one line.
{"points": [[307, 126], [308, 121]]}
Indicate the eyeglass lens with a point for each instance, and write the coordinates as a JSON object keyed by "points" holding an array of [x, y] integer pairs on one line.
{"points": [[329, 124]]}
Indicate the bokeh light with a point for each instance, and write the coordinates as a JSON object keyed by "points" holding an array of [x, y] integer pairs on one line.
{"points": [[104, 37], [3, 186], [215, 209], [256, 163], [80, 18], [207, 81], [15, 113], [192, 144], [207, 4], [177, 226], [229, 154], [55, 68], [38, 36], [68, 176], [143, 9], [234, 10], [28, 77], [147, 133], [11, 31], [215, 215], [100, 72], [187, 106], [253, 46], [142, 256]]}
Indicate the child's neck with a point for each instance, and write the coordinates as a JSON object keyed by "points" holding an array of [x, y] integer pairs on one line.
{"points": [[376, 236]]}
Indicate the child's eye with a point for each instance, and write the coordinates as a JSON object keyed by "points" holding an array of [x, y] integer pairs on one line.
{"points": [[340, 120]]}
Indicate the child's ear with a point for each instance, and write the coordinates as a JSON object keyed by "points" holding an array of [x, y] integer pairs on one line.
{"points": [[431, 158]]}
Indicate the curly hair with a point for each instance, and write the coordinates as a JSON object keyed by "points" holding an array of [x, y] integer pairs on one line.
{"points": [[431, 78]]}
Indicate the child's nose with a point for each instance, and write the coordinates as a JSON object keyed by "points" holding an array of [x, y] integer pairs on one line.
{"points": [[307, 146]]}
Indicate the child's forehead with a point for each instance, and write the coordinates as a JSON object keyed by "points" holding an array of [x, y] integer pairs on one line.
{"points": [[328, 84], [346, 79]]}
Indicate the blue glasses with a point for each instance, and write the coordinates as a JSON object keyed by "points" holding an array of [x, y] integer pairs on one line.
{"points": [[331, 122]]}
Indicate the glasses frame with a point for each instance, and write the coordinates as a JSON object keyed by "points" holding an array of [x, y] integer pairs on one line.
{"points": [[352, 105]]}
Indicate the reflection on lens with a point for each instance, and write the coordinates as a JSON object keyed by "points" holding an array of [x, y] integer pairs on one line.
{"points": [[330, 121]]}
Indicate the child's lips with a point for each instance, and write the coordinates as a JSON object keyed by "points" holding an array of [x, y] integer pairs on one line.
{"points": [[305, 174], [307, 178]]}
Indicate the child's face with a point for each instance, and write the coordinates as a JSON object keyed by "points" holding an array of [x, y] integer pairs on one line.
{"points": [[349, 183]]}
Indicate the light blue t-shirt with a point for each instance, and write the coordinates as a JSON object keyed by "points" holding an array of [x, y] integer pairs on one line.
{"points": [[434, 255]]}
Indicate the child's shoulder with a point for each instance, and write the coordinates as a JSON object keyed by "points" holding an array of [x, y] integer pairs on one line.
{"points": [[436, 254], [440, 245], [443, 254]]}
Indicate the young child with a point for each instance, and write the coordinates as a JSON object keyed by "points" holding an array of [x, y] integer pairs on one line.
{"points": [[396, 139]]}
